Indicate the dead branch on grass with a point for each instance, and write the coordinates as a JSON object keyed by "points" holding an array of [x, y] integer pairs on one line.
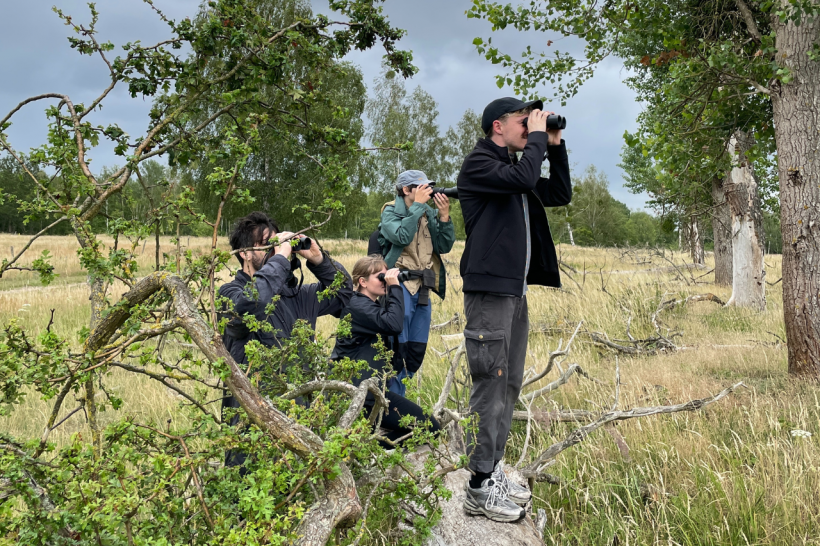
{"points": [[580, 434]]}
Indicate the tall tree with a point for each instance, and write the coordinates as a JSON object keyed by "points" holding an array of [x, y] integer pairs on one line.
{"points": [[407, 125]]}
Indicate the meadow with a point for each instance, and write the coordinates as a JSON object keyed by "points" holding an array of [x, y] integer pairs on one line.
{"points": [[733, 473]]}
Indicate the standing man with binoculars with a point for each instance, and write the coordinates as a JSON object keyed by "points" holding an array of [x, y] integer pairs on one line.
{"points": [[508, 247], [412, 237]]}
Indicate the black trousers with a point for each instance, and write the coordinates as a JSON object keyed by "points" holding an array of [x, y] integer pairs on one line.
{"points": [[398, 407], [496, 340]]}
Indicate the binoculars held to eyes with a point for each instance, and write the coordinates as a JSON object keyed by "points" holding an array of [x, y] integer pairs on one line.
{"points": [[403, 276], [554, 121], [303, 243], [452, 193]]}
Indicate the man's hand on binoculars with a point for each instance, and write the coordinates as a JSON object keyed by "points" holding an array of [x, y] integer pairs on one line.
{"points": [[314, 255], [443, 204], [284, 249], [554, 138], [537, 121]]}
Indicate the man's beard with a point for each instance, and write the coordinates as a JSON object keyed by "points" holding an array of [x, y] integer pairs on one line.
{"points": [[257, 262]]}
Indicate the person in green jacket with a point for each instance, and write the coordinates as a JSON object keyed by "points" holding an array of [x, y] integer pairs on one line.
{"points": [[412, 236]]}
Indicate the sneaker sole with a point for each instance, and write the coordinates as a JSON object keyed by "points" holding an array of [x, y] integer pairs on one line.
{"points": [[474, 509], [520, 502]]}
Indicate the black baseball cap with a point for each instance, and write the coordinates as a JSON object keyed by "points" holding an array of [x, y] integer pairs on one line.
{"points": [[499, 107]]}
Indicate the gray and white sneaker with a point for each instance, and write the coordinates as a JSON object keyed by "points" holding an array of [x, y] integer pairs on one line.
{"points": [[490, 500], [517, 493]]}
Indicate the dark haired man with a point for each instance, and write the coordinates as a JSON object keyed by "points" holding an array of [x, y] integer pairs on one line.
{"points": [[258, 282], [508, 248]]}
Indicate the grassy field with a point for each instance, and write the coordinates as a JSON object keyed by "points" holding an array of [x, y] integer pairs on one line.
{"points": [[731, 474]]}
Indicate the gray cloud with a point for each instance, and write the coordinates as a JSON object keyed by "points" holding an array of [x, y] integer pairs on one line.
{"points": [[440, 36], [37, 59]]}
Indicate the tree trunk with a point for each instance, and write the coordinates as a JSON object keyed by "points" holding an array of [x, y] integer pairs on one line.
{"points": [[695, 243], [721, 229], [571, 238], [796, 108], [683, 235], [749, 271]]}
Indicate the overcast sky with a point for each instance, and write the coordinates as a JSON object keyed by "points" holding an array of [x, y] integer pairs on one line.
{"points": [[35, 58]]}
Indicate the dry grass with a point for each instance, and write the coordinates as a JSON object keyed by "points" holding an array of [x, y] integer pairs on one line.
{"points": [[731, 474]]}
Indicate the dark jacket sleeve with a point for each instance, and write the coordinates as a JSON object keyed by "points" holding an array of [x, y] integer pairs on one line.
{"points": [[483, 173], [556, 191], [372, 318], [268, 282], [309, 304]]}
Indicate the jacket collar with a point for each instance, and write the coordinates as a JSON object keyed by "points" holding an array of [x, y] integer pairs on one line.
{"points": [[400, 208], [243, 277], [501, 152]]}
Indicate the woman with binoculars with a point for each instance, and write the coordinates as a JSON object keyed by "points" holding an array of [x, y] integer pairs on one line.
{"points": [[377, 311]]}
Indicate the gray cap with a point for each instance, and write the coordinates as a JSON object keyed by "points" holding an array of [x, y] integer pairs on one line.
{"points": [[412, 178]]}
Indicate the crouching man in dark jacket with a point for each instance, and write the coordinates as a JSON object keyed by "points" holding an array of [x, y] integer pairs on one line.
{"points": [[508, 248], [258, 282]]}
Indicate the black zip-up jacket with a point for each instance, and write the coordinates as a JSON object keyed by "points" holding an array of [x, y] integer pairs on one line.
{"points": [[295, 302], [368, 320], [490, 186]]}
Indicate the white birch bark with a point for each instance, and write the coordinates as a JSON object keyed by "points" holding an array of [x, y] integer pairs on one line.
{"points": [[748, 269]]}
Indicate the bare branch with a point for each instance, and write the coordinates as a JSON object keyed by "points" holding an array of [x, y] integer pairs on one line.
{"points": [[29, 100], [448, 380], [575, 368], [553, 356], [749, 20], [7, 266], [580, 434]]}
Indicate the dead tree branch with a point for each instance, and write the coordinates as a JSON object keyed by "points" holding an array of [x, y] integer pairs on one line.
{"points": [[553, 356], [580, 434]]}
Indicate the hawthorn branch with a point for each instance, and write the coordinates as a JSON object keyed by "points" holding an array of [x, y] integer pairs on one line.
{"points": [[340, 506], [7, 266]]}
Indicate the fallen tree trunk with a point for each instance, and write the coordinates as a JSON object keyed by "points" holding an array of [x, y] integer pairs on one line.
{"points": [[340, 506]]}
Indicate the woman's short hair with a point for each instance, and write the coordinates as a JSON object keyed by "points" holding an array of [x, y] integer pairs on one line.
{"points": [[367, 266], [400, 190]]}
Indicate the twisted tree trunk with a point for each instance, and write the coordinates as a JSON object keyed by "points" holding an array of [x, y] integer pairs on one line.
{"points": [[749, 271], [796, 106], [340, 506], [721, 229]]}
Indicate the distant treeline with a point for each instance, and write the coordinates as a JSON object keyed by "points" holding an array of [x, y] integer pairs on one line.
{"points": [[279, 181]]}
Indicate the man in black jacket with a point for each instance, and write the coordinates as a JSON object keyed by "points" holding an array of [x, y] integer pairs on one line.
{"points": [[508, 248], [258, 282]]}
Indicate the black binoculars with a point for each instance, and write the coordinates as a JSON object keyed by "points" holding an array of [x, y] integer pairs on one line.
{"points": [[452, 193], [554, 121], [301, 244], [403, 276]]}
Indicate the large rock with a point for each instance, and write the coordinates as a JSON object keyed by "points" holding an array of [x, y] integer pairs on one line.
{"points": [[457, 528]]}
